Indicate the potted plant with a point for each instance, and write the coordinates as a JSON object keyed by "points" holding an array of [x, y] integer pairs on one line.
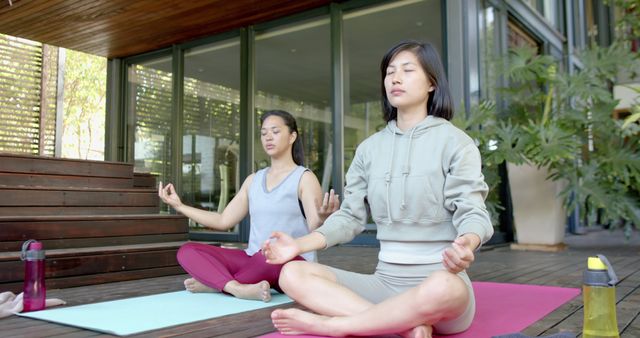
{"points": [[562, 145]]}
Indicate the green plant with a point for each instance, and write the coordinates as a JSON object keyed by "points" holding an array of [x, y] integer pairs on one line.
{"points": [[563, 121], [635, 112], [629, 22]]}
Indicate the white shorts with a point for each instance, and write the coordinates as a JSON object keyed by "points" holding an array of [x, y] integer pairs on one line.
{"points": [[391, 279]]}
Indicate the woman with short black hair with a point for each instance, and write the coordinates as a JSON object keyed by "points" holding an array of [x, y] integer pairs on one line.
{"points": [[422, 179]]}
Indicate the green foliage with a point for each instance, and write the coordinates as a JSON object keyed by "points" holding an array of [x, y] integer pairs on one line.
{"points": [[635, 112], [630, 21], [85, 85], [564, 122]]}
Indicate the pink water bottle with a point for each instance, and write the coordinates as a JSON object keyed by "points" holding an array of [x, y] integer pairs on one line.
{"points": [[35, 292]]}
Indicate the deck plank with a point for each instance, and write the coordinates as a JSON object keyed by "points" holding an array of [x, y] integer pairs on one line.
{"points": [[626, 304], [498, 264], [633, 330]]}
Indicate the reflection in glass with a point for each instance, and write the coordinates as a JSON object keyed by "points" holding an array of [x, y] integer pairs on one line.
{"points": [[293, 73], [150, 90], [488, 51], [548, 9], [551, 13], [366, 41], [211, 133]]}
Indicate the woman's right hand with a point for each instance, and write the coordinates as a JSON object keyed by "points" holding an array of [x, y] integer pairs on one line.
{"points": [[169, 196], [280, 248]]}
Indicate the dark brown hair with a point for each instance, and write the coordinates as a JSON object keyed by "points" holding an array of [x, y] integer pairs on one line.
{"points": [[297, 151], [439, 103]]}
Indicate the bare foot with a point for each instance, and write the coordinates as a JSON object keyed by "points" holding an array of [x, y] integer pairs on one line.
{"points": [[192, 285], [422, 331], [258, 291], [295, 322]]}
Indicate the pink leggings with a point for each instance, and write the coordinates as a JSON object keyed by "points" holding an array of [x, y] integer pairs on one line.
{"points": [[215, 267]]}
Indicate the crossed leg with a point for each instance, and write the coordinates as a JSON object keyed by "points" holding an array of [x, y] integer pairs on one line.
{"points": [[216, 269], [257, 291], [195, 286], [441, 296]]}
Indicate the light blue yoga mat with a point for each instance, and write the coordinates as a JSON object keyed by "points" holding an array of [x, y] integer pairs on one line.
{"points": [[134, 315]]}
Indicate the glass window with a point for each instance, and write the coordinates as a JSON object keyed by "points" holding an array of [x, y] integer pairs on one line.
{"points": [[549, 9], [293, 73], [578, 22], [366, 42], [85, 84], [149, 99], [533, 4], [551, 13], [211, 128], [519, 37], [489, 51]]}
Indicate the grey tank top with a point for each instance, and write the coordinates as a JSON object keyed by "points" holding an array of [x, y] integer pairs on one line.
{"points": [[276, 210]]}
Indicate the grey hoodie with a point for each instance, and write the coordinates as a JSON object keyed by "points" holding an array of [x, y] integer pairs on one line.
{"points": [[425, 188]]}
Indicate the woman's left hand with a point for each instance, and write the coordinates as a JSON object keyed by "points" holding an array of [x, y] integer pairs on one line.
{"points": [[460, 255], [330, 204]]}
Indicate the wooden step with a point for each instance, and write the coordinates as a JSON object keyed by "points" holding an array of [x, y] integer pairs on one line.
{"points": [[98, 221], [85, 266], [25, 170], [45, 180], [145, 180], [12, 163], [77, 201], [56, 211], [58, 232]]}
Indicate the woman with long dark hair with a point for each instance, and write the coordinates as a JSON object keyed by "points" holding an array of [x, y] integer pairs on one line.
{"points": [[285, 196], [422, 179]]}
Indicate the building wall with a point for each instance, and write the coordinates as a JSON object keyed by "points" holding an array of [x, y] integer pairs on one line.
{"points": [[190, 113]]}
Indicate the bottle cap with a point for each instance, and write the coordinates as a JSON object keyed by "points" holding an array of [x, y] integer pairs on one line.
{"points": [[595, 263], [32, 250], [599, 272], [35, 246]]}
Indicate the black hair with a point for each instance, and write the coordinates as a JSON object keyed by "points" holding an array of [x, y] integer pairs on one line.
{"points": [[439, 103], [297, 151]]}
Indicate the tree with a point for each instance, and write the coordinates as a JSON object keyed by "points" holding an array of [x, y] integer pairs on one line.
{"points": [[84, 106]]}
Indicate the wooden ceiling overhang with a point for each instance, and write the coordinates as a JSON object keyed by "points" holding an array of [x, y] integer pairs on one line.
{"points": [[121, 28]]}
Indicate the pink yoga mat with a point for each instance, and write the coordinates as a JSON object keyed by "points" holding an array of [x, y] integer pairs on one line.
{"points": [[505, 308]]}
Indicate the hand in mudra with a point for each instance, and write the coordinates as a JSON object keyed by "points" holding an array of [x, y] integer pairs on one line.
{"points": [[280, 248], [330, 204], [169, 196], [459, 256]]}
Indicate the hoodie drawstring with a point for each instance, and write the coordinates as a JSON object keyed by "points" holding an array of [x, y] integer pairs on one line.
{"points": [[387, 177], [405, 170], [421, 128]]}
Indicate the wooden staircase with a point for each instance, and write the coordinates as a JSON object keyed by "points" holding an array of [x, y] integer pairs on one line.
{"points": [[98, 221]]}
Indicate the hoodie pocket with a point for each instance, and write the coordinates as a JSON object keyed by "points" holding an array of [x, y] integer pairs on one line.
{"points": [[421, 202]]}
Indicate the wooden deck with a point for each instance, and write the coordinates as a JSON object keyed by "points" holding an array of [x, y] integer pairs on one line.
{"points": [[497, 264]]}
